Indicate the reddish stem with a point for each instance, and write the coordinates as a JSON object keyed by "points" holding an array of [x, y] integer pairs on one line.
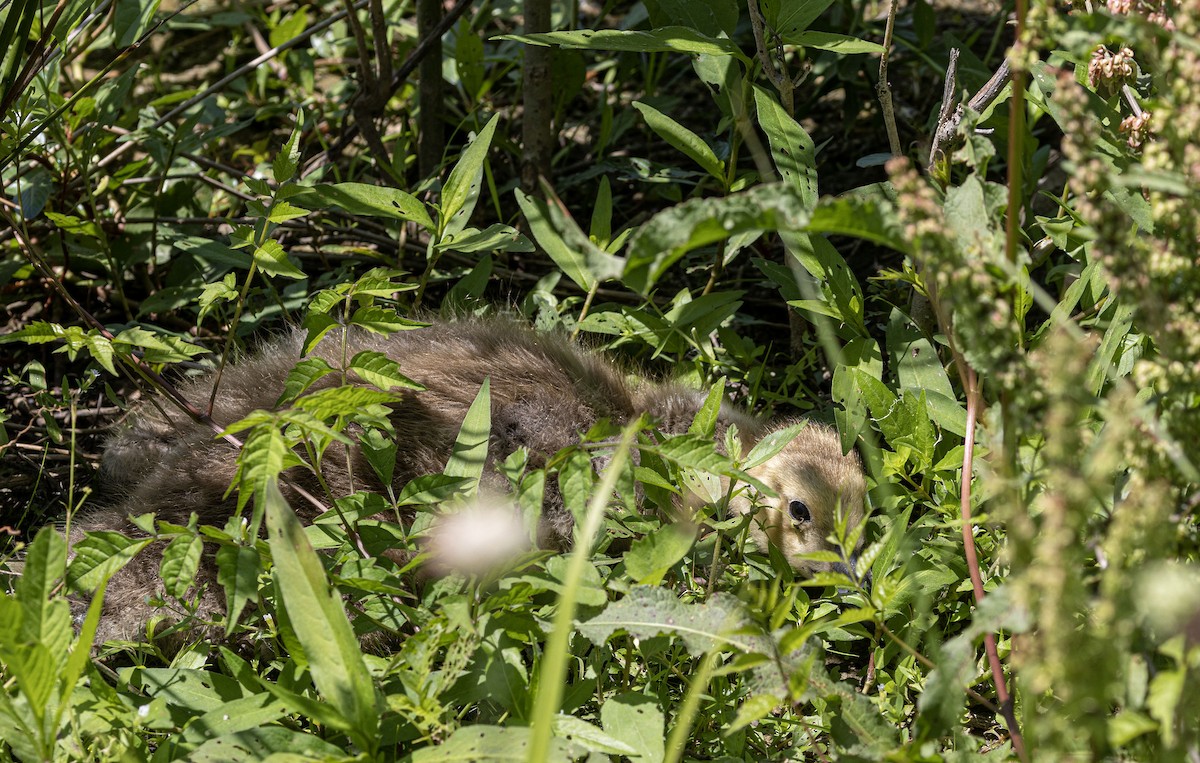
{"points": [[989, 639]]}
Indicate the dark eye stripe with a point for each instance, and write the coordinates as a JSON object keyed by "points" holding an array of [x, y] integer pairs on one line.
{"points": [[799, 511]]}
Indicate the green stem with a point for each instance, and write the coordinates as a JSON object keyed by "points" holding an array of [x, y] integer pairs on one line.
{"points": [[554, 660], [690, 707]]}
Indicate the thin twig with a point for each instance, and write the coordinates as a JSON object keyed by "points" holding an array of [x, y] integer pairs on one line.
{"points": [[414, 57], [884, 89], [778, 78]]}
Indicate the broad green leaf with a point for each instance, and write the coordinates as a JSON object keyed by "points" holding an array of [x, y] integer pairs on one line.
{"points": [[462, 187], [288, 28], [468, 58], [379, 370], [858, 354], [705, 421], [919, 368], [282, 211], [636, 720], [265, 455], [131, 18], [488, 744], [582, 734], [683, 139], [829, 273], [380, 320], [770, 445], [754, 709], [343, 402], [368, 201], [272, 260], [470, 451], [495, 238], [237, 573], [196, 691], [866, 217], [239, 715], [670, 234], [790, 17], [319, 619], [45, 565], [791, 147], [650, 558], [98, 556], [648, 611], [35, 667], [180, 560], [302, 376], [600, 231], [695, 452], [838, 43], [662, 40]]}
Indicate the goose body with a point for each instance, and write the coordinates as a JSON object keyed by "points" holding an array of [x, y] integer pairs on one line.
{"points": [[545, 391]]}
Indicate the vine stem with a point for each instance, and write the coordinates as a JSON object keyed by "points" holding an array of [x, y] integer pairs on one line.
{"points": [[989, 639]]}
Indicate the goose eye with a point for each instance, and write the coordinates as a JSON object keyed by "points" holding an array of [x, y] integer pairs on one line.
{"points": [[799, 511]]}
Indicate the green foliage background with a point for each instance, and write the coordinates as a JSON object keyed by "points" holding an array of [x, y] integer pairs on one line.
{"points": [[1009, 337]]}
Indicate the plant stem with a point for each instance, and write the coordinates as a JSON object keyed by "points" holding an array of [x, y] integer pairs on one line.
{"points": [[691, 705], [554, 659]]}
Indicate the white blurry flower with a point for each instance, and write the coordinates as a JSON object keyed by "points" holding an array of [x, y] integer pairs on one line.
{"points": [[476, 538]]}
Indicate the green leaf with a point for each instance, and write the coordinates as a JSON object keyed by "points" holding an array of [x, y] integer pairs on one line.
{"points": [[469, 454], [237, 573], [838, 43], [670, 234], [368, 201], [791, 147], [694, 452], [558, 235], [582, 734], [98, 556], [754, 709], [648, 611], [636, 720], [715, 18], [286, 161], [770, 445], [462, 187], [871, 218], [265, 455], [790, 17], [379, 370], [496, 238], [683, 139], [662, 40], [180, 561], [272, 260], [488, 744], [282, 211], [288, 28], [704, 423], [320, 623], [302, 376], [342, 402], [650, 558], [600, 232], [379, 320]]}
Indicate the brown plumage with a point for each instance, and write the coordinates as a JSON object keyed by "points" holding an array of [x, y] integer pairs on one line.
{"points": [[545, 391]]}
